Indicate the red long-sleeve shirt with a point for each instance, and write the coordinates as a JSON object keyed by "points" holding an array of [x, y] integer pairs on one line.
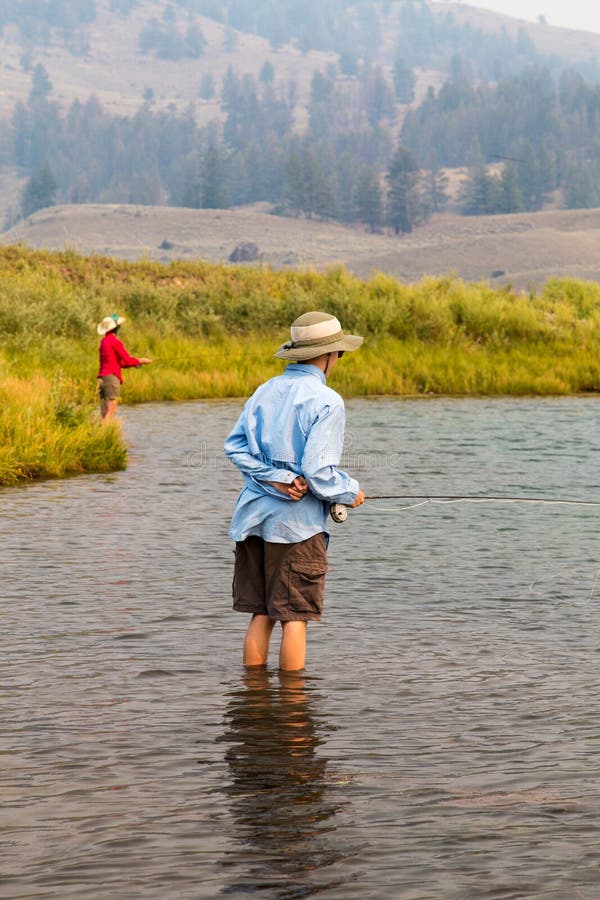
{"points": [[114, 357]]}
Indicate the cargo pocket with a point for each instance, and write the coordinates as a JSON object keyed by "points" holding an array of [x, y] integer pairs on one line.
{"points": [[306, 585]]}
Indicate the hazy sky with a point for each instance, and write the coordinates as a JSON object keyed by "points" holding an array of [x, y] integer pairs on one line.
{"points": [[582, 14]]}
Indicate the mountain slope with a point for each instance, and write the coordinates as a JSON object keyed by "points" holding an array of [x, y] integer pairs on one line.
{"points": [[112, 67], [527, 248], [108, 62]]}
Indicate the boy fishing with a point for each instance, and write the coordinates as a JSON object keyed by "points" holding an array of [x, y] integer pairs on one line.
{"points": [[287, 443]]}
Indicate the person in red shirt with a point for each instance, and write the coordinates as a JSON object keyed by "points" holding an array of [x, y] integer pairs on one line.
{"points": [[113, 358]]}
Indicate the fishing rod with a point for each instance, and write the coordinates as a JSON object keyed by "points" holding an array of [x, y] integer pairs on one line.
{"points": [[474, 498], [339, 511], [176, 358]]}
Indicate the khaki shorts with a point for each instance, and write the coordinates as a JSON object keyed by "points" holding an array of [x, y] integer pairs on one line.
{"points": [[109, 387], [283, 581]]}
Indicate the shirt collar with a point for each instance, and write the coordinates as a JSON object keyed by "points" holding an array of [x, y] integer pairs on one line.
{"points": [[305, 369]]}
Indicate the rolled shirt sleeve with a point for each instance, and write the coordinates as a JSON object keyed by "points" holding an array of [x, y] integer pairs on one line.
{"points": [[322, 456], [237, 450]]}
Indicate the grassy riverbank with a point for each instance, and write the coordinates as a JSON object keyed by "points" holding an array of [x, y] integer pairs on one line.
{"points": [[212, 331], [47, 430]]}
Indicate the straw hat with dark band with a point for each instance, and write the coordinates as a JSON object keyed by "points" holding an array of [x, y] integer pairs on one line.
{"points": [[315, 333]]}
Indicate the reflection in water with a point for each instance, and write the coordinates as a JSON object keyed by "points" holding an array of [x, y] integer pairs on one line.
{"points": [[282, 801]]}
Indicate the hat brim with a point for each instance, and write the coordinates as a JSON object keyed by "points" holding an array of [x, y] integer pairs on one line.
{"points": [[348, 343], [102, 330]]}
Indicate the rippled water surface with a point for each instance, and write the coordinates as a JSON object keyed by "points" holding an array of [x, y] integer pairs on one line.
{"points": [[444, 740]]}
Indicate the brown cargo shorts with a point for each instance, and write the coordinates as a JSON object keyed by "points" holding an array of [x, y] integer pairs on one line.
{"points": [[283, 581], [109, 387]]}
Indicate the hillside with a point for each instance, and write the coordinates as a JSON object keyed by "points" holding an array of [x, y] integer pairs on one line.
{"points": [[107, 61], [112, 67], [527, 248], [571, 45], [153, 133]]}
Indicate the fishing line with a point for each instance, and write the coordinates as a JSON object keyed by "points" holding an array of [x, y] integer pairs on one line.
{"points": [[397, 508], [446, 501], [562, 572], [477, 498], [595, 585], [339, 512]]}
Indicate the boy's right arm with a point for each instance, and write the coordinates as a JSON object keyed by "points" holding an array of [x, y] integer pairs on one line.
{"points": [[322, 456]]}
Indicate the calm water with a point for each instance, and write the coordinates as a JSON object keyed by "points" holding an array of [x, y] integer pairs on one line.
{"points": [[444, 741]]}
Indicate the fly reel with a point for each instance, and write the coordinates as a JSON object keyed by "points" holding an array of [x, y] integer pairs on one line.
{"points": [[338, 512]]}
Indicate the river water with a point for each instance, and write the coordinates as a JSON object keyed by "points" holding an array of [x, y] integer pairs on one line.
{"points": [[444, 740]]}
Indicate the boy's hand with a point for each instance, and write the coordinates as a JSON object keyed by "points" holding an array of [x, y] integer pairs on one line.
{"points": [[295, 490], [298, 488], [360, 499]]}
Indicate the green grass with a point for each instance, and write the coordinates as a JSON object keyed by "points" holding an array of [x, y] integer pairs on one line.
{"points": [[47, 429], [212, 331]]}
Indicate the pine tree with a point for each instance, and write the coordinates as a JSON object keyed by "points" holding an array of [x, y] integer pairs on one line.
{"points": [[267, 73], [326, 204], [510, 196], [194, 42], [368, 199], [581, 186], [346, 174], [404, 81], [39, 191], [213, 186], [378, 96], [244, 182], [207, 87], [348, 62], [189, 194], [41, 86], [478, 193], [406, 206], [437, 183], [293, 185], [21, 134], [530, 177], [313, 182]]}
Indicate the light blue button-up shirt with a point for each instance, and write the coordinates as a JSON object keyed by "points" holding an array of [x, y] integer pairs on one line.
{"points": [[292, 425]]}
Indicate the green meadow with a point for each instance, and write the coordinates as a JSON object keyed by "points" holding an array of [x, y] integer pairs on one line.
{"points": [[212, 331]]}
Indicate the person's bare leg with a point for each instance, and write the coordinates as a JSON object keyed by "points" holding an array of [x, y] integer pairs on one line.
{"points": [[292, 653], [108, 409], [256, 642]]}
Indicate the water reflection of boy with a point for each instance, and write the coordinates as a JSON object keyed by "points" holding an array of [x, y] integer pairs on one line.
{"points": [[279, 785], [287, 443], [113, 358]]}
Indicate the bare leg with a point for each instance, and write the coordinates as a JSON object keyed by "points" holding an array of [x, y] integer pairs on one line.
{"points": [[108, 409], [292, 653], [256, 642]]}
